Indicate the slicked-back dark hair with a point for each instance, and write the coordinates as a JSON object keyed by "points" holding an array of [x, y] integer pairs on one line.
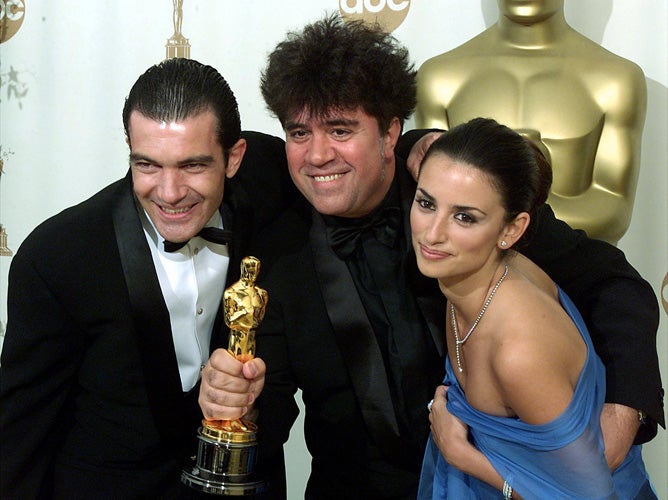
{"points": [[334, 64], [516, 166], [179, 88]]}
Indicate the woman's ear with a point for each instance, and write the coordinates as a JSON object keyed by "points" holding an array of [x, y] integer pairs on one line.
{"points": [[514, 230]]}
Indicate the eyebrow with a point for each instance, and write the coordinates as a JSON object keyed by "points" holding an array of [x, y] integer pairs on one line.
{"points": [[426, 194], [134, 157], [454, 207], [332, 122]]}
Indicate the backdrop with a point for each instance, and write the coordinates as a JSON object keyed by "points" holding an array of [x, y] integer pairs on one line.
{"points": [[66, 67]]}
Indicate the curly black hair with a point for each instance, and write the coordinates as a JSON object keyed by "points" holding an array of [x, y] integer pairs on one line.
{"points": [[334, 64]]}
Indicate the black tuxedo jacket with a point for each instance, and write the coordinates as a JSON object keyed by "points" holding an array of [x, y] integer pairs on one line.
{"points": [[90, 395], [316, 337]]}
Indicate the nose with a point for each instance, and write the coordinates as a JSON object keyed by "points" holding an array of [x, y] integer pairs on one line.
{"points": [[320, 151], [172, 187], [436, 230]]}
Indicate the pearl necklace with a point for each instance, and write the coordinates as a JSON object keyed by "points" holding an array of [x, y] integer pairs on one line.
{"points": [[475, 323]]}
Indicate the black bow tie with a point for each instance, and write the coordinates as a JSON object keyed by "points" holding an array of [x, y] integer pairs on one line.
{"points": [[212, 234], [384, 224]]}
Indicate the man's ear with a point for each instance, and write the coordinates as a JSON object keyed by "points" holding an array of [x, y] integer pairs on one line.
{"points": [[514, 230], [234, 157], [391, 137]]}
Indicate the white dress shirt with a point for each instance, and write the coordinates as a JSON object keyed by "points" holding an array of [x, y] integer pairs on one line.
{"points": [[192, 280]]}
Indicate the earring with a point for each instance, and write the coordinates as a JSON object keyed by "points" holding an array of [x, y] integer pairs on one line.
{"points": [[503, 243]]}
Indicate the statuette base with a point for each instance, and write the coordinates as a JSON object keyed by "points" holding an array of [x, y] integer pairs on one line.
{"points": [[226, 456]]}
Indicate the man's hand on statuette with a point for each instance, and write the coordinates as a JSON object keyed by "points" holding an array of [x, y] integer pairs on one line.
{"points": [[229, 387]]}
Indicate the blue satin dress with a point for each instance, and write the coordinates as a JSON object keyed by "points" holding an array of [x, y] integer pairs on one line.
{"points": [[560, 459]]}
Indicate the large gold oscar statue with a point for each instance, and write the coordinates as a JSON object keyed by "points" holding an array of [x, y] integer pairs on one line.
{"points": [[533, 72], [226, 451]]}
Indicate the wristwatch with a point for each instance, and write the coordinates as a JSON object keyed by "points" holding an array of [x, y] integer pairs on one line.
{"points": [[642, 417]]}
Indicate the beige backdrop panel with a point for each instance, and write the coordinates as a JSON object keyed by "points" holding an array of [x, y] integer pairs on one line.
{"points": [[65, 73]]}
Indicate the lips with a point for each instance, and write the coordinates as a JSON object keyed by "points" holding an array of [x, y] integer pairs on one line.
{"points": [[431, 254]]}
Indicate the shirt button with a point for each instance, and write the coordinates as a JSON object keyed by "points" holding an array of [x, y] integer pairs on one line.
{"points": [[196, 251], [200, 310]]}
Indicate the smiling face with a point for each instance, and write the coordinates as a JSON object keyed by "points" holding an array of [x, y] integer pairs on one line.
{"points": [[457, 219], [179, 170], [341, 163]]}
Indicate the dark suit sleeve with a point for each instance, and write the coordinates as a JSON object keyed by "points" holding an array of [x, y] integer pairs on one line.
{"points": [[278, 409], [277, 406], [40, 358], [408, 140], [618, 306], [265, 178]]}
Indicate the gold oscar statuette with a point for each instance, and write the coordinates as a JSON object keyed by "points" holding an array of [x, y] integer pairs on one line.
{"points": [[177, 45], [227, 449], [4, 249]]}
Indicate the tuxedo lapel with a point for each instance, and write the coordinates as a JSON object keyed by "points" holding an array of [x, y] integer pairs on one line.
{"points": [[406, 194], [150, 316], [355, 337], [429, 298], [431, 303], [236, 215]]}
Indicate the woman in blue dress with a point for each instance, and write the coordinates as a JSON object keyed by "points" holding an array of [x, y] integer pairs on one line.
{"points": [[518, 415]]}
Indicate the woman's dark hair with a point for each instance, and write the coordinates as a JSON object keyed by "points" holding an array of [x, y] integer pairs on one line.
{"points": [[516, 166]]}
